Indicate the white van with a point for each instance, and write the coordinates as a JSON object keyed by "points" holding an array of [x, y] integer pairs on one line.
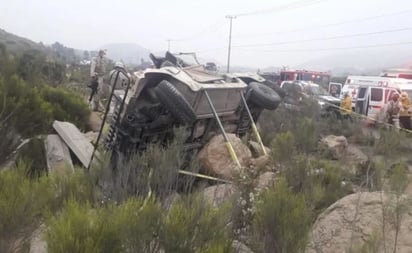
{"points": [[353, 83], [371, 100]]}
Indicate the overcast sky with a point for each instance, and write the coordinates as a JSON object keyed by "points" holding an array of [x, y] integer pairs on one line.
{"points": [[201, 26]]}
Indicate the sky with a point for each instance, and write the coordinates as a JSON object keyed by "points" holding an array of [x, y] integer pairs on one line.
{"points": [[265, 32]]}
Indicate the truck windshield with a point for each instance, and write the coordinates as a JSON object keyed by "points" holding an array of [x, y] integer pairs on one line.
{"points": [[318, 91]]}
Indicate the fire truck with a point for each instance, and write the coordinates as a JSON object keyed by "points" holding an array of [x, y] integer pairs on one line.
{"points": [[397, 73], [321, 78]]}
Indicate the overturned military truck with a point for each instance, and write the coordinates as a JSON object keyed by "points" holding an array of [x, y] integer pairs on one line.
{"points": [[179, 93]]}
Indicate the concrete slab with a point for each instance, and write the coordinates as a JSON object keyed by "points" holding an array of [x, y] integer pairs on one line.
{"points": [[57, 153], [75, 140]]}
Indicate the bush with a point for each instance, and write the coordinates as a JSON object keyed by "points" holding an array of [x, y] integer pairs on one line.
{"points": [[79, 228], [67, 106], [283, 147], [282, 220], [139, 223], [318, 180], [193, 226], [306, 133], [22, 203]]}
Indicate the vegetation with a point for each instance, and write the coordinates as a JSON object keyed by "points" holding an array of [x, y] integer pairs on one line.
{"points": [[29, 105], [143, 205]]}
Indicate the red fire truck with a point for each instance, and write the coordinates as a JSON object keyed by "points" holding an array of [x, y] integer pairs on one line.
{"points": [[322, 78]]}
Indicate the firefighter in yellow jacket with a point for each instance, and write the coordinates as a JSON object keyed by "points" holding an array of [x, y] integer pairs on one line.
{"points": [[405, 112], [346, 106]]}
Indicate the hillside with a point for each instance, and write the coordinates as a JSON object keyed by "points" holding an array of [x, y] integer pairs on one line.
{"points": [[361, 62], [126, 52], [16, 44]]}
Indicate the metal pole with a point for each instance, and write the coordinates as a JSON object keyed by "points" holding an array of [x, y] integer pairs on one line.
{"points": [[104, 119], [230, 42], [222, 129], [254, 128]]}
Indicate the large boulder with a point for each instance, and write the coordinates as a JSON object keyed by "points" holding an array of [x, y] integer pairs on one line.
{"points": [[215, 158], [356, 219], [57, 153], [336, 144], [218, 194]]}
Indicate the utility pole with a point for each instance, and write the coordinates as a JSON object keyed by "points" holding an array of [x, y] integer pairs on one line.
{"points": [[230, 41]]}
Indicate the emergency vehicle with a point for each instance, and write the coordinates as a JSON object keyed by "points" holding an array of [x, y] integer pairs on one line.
{"points": [[353, 83], [371, 93], [397, 73], [322, 78]]}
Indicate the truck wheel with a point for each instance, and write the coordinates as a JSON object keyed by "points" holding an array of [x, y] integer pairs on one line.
{"points": [[174, 101], [263, 96]]}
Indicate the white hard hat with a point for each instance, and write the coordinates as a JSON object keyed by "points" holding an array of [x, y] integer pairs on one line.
{"points": [[119, 64]]}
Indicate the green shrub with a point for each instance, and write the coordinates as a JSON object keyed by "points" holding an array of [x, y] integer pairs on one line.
{"points": [[191, 225], [22, 203], [67, 106], [282, 220], [75, 185], [306, 133], [79, 228], [33, 154], [283, 147], [318, 180], [139, 223]]}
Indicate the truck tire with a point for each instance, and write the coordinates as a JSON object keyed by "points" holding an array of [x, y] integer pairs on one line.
{"points": [[263, 96], [174, 101]]}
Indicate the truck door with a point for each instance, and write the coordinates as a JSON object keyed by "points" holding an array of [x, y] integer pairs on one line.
{"points": [[361, 105], [376, 101]]}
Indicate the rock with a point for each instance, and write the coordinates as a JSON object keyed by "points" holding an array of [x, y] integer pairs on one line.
{"points": [[256, 149], [239, 247], [352, 220], [265, 181], [336, 144], [215, 158], [75, 140], [218, 194], [37, 242], [355, 155], [92, 136], [95, 121], [262, 163], [57, 153]]}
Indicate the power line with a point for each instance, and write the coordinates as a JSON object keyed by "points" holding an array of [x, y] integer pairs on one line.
{"points": [[294, 5], [329, 25], [326, 38], [311, 40], [212, 28], [334, 48]]}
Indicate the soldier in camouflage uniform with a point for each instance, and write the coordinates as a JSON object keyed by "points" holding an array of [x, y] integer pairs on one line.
{"points": [[97, 72]]}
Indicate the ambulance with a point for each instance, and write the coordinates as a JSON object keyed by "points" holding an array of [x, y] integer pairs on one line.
{"points": [[370, 94], [353, 84]]}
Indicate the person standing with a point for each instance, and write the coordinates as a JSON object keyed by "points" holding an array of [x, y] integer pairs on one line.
{"points": [[393, 109], [405, 113], [346, 106], [97, 72]]}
